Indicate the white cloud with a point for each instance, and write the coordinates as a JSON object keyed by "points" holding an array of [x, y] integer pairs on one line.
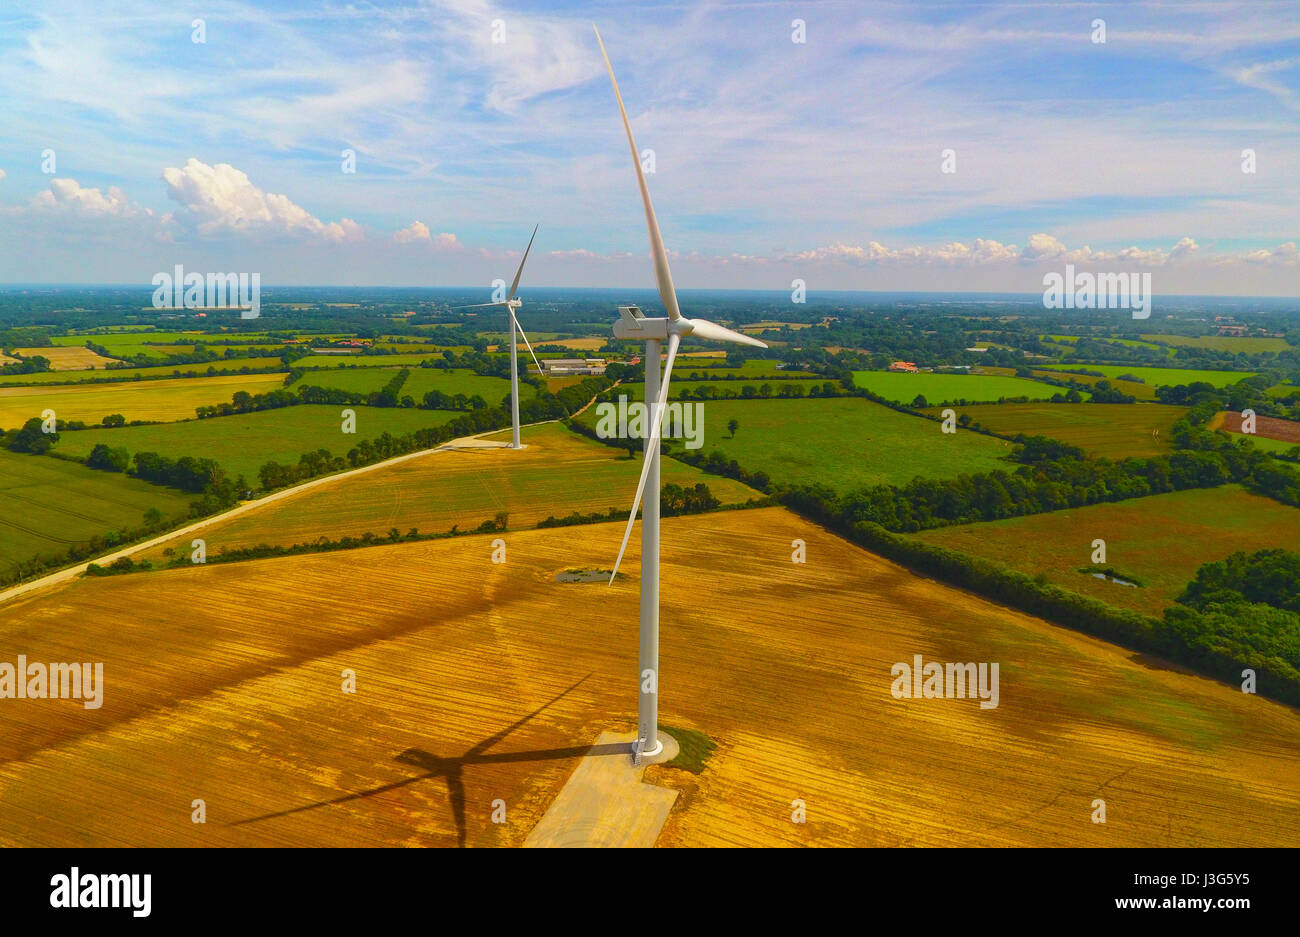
{"points": [[221, 199], [1041, 249], [418, 232], [415, 231], [2, 173], [67, 195]]}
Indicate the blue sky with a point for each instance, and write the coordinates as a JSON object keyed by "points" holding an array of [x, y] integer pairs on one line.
{"points": [[773, 159]]}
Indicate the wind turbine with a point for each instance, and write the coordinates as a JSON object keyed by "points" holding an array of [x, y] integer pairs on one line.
{"points": [[512, 303], [632, 324]]}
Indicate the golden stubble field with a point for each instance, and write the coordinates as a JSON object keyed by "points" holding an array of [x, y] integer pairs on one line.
{"points": [[165, 400], [223, 684], [67, 357]]}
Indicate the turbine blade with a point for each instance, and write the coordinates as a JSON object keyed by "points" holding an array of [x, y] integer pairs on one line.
{"points": [[477, 305], [514, 287], [526, 344], [663, 276], [717, 333], [652, 442]]}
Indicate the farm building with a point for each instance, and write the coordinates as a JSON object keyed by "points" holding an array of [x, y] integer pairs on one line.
{"points": [[554, 367]]}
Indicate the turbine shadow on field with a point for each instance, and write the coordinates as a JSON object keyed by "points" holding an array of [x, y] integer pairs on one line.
{"points": [[451, 769]]}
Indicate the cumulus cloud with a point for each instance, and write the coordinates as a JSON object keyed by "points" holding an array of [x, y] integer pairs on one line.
{"points": [[417, 232], [69, 196], [221, 199], [2, 173], [1040, 248]]}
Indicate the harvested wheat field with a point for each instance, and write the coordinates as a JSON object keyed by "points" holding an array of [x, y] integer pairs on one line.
{"points": [[165, 400], [67, 357], [478, 682], [558, 472]]}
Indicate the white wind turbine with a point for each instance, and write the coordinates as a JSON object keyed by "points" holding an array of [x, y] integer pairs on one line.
{"points": [[633, 325], [512, 303]]}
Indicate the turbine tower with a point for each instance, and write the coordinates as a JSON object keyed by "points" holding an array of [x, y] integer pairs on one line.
{"points": [[632, 324], [512, 303]]}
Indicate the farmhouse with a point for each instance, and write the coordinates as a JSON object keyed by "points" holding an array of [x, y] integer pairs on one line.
{"points": [[553, 367], [908, 366]]}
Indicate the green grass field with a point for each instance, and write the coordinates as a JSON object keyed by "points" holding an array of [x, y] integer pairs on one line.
{"points": [[418, 383], [1161, 539], [1132, 388], [1113, 430], [1250, 346], [368, 361], [753, 367], [73, 377], [938, 388], [166, 400], [244, 442], [1156, 377], [48, 505], [460, 381], [636, 390], [557, 473], [843, 442]]}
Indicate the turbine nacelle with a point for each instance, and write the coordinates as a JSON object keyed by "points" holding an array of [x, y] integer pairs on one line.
{"points": [[632, 324]]}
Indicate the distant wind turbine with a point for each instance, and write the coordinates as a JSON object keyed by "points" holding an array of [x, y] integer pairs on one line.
{"points": [[512, 303], [632, 324]]}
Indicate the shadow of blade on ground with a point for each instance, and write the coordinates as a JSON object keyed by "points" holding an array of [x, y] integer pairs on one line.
{"points": [[435, 766]]}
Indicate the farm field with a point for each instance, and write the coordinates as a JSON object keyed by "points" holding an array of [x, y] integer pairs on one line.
{"points": [[1249, 346], [369, 361], [1112, 430], [1268, 427], [479, 681], [939, 388], [558, 472], [1283, 390], [354, 380], [144, 400], [715, 363], [134, 336], [1130, 342], [224, 366], [460, 381], [242, 443], [48, 505], [636, 389], [62, 358], [1271, 434], [1156, 377], [1161, 539], [842, 442], [1141, 391], [585, 345]]}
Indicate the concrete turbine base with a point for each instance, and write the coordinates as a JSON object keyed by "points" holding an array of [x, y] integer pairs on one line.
{"points": [[668, 750]]}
